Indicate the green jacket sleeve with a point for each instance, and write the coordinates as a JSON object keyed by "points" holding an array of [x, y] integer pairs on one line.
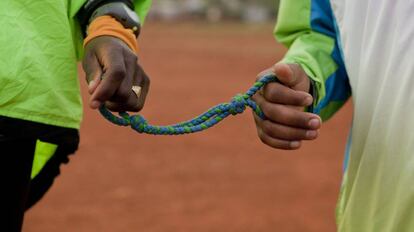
{"points": [[308, 29]]}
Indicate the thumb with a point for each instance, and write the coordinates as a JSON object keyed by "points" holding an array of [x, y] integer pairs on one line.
{"points": [[289, 74]]}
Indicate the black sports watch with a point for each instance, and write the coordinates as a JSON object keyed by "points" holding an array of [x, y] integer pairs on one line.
{"points": [[122, 13], [121, 10]]}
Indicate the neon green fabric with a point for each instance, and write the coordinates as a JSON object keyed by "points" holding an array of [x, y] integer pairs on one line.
{"points": [[43, 152], [376, 193], [310, 49], [40, 45]]}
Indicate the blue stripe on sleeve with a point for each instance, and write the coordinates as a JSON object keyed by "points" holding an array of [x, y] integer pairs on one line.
{"points": [[337, 85]]}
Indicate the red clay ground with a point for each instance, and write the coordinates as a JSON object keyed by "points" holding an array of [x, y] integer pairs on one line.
{"points": [[222, 180]]}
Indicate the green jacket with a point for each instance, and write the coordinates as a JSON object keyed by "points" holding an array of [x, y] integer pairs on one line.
{"points": [[40, 44]]}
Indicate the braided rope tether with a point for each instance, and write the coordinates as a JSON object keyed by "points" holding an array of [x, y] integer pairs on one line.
{"points": [[204, 121]]}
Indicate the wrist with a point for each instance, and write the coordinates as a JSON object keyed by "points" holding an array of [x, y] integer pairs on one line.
{"points": [[120, 12], [108, 26]]}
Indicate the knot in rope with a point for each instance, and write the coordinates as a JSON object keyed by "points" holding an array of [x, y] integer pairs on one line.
{"points": [[238, 104], [204, 121]]}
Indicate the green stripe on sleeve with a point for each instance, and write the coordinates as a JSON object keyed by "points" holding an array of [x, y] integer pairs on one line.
{"points": [[310, 49]]}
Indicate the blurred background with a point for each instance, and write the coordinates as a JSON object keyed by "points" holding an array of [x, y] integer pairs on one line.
{"points": [[251, 11], [198, 54]]}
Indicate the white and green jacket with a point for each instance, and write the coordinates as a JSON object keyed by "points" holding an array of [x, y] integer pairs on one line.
{"points": [[364, 48]]}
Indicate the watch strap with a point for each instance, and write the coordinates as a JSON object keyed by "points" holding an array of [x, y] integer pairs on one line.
{"points": [[122, 13]]}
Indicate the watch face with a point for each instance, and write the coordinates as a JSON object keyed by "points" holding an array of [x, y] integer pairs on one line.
{"points": [[132, 15]]}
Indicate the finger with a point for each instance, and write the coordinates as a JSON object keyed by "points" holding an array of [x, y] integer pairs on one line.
{"points": [[93, 71], [134, 103], [129, 105], [274, 142], [113, 76], [278, 93], [124, 93], [259, 100], [289, 74], [124, 99], [142, 80], [278, 143], [283, 132], [290, 117]]}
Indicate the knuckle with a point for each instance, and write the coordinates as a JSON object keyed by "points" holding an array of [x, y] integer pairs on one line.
{"points": [[102, 96], [268, 128], [291, 117], [307, 98], [136, 108], [262, 136], [289, 134], [282, 132], [279, 113], [135, 105], [118, 72], [270, 110], [300, 119], [123, 95], [298, 100], [147, 80], [144, 80], [267, 142], [112, 106], [295, 134], [270, 92], [301, 134], [257, 120], [131, 57]]}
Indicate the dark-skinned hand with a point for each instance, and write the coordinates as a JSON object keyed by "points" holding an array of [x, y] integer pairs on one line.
{"points": [[112, 69], [283, 104]]}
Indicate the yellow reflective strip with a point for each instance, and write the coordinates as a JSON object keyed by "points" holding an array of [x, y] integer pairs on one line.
{"points": [[43, 152]]}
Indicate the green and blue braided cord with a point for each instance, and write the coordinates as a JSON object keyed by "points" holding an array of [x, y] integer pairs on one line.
{"points": [[204, 121]]}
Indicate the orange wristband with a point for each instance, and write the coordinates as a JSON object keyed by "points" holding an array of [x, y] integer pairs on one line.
{"points": [[107, 25]]}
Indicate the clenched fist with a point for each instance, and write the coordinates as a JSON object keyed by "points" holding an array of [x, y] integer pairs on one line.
{"points": [[112, 70], [283, 104]]}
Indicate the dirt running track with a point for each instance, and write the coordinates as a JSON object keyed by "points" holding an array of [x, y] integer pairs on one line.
{"points": [[222, 180]]}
